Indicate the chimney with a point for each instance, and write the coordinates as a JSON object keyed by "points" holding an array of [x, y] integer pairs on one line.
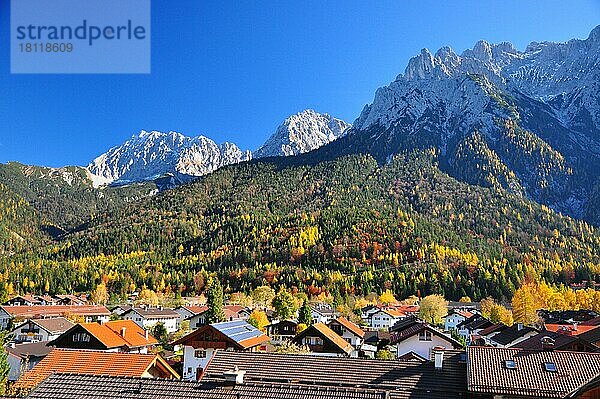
{"points": [[547, 344], [123, 329], [519, 326], [574, 326], [146, 334], [234, 377], [438, 357], [13, 344]]}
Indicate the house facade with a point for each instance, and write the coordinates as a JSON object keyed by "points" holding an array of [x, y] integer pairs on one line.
{"points": [[323, 341], [420, 338], [350, 332], [36, 330], [455, 317], [282, 331], [149, 317], [384, 318], [200, 345]]}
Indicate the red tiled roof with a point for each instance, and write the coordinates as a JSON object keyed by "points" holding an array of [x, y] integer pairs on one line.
{"points": [[569, 329], [110, 334], [93, 362]]}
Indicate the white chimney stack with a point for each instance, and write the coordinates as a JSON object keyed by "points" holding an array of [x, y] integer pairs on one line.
{"points": [[123, 329], [438, 357], [235, 376], [146, 334]]}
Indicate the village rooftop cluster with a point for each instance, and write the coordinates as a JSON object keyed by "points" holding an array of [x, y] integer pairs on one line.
{"points": [[64, 347]]}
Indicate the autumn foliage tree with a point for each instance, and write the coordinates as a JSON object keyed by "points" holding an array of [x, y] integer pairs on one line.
{"points": [[284, 304], [100, 294], [258, 319], [433, 308]]}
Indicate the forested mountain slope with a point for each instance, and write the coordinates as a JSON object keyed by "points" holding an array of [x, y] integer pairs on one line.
{"points": [[66, 197], [345, 226]]}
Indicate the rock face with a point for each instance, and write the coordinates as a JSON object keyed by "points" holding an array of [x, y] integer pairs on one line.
{"points": [[174, 158], [527, 121], [150, 155], [302, 132]]}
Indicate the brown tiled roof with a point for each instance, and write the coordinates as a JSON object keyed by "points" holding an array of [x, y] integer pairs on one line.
{"points": [[560, 341], [491, 329], [92, 362], [33, 349], [71, 386], [592, 322], [403, 379], [195, 309], [353, 328], [109, 334], [407, 329], [37, 311], [487, 372], [159, 313], [54, 325]]}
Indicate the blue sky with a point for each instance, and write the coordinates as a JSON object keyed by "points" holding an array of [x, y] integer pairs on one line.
{"points": [[233, 70]]}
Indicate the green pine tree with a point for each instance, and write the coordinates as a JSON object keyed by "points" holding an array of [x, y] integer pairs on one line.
{"points": [[305, 315], [214, 301]]}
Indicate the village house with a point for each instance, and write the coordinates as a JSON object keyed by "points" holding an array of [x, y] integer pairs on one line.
{"points": [[282, 331], [232, 312], [550, 340], [322, 312], [503, 336], [187, 311], [23, 357], [113, 336], [87, 313], [455, 317], [350, 332], [96, 363], [323, 341], [415, 336], [36, 330], [470, 328], [384, 318], [200, 345], [119, 310], [148, 317], [375, 341]]}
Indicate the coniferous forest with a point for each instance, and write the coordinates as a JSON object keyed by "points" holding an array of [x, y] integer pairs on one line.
{"points": [[345, 226]]}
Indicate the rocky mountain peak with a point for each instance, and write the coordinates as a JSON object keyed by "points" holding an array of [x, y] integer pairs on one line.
{"points": [[302, 132]]}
